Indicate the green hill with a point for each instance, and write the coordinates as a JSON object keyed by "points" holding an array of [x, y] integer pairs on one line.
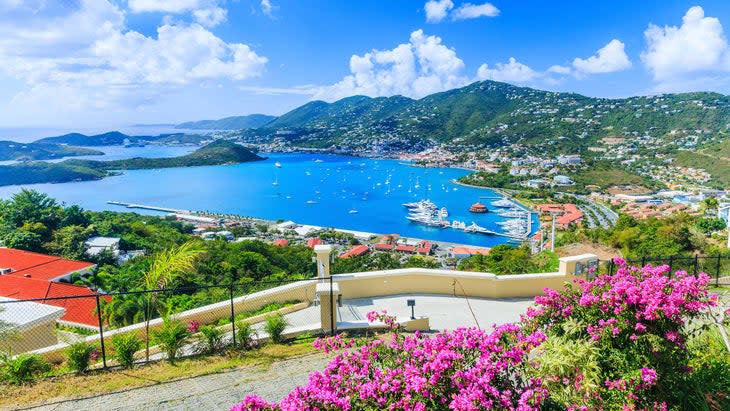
{"points": [[229, 123], [490, 114], [216, 153], [11, 150]]}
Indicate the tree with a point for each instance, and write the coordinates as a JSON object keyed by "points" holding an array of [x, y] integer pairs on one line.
{"points": [[23, 240], [165, 267], [69, 242]]}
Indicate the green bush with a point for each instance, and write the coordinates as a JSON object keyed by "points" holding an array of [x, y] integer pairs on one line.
{"points": [[245, 335], [79, 354], [23, 368], [125, 345], [210, 339], [171, 337], [275, 326]]}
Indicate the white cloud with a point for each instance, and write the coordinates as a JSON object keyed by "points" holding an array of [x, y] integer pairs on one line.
{"points": [[513, 71], [267, 8], [608, 59], [698, 45], [415, 69], [558, 69], [164, 6], [210, 17], [473, 11], [87, 56], [437, 10]]}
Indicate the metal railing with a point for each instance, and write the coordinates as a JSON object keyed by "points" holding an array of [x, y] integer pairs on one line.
{"points": [[716, 266], [100, 317]]}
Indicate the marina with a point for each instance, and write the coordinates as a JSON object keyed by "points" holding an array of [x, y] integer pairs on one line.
{"points": [[346, 192]]}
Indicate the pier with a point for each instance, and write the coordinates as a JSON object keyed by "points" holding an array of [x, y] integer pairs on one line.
{"points": [[149, 207]]}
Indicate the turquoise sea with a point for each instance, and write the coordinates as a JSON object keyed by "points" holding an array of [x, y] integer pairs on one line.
{"points": [[326, 190]]}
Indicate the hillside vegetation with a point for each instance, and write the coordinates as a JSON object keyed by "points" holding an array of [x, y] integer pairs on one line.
{"points": [[218, 152], [11, 150], [490, 114], [229, 123]]}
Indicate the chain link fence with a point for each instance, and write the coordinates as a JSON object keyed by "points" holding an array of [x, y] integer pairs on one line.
{"points": [[155, 324]]}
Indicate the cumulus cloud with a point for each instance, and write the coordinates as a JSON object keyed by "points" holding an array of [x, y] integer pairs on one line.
{"points": [[474, 11], [608, 59], [415, 69], [88, 52], [210, 17], [437, 10], [558, 69], [513, 71], [267, 8], [165, 6], [698, 46]]}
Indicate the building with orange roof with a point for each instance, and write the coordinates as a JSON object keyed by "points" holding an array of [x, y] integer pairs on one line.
{"points": [[464, 252], [25, 275], [565, 214], [314, 241], [355, 251], [281, 242]]}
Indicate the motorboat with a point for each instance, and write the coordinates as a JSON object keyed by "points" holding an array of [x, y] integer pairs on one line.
{"points": [[277, 164]]}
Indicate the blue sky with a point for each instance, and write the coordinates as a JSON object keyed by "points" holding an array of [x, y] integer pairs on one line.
{"points": [[91, 63]]}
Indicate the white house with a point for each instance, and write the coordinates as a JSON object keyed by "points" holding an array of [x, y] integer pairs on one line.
{"points": [[562, 180], [96, 245], [28, 325]]}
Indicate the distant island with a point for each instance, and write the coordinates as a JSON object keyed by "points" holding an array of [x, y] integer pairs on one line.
{"points": [[11, 150], [116, 138], [216, 153], [250, 121]]}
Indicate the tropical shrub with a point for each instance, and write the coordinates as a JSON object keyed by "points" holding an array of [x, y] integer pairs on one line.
{"points": [[210, 339], [23, 368], [617, 342], [245, 334], [79, 354], [125, 345], [275, 326], [171, 337]]}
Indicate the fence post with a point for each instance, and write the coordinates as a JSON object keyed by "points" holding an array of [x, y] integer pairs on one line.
{"points": [[696, 264], [643, 261], [610, 267], [332, 308], [101, 330], [233, 317], [717, 271]]}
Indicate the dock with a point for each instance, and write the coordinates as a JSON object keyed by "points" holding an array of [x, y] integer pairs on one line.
{"points": [[149, 207]]}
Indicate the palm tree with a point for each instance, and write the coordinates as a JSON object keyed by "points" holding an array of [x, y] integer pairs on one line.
{"points": [[166, 266]]}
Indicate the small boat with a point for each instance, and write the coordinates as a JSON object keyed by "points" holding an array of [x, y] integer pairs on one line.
{"points": [[277, 164], [353, 211], [443, 213], [319, 161], [311, 202], [478, 208], [308, 173], [275, 182]]}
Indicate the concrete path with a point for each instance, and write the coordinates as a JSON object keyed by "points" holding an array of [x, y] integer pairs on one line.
{"points": [[211, 392]]}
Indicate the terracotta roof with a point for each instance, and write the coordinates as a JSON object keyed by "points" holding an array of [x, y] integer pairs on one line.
{"points": [[424, 247], [405, 248], [40, 266], [383, 246], [281, 242], [313, 241], [469, 251], [31, 279], [355, 251]]}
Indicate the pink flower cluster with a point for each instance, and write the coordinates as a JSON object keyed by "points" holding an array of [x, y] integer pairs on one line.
{"points": [[471, 369]]}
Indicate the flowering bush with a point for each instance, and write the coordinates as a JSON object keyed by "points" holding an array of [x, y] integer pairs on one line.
{"points": [[615, 342]]}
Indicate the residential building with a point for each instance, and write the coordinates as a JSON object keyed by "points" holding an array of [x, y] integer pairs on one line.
{"points": [[32, 325], [96, 245]]}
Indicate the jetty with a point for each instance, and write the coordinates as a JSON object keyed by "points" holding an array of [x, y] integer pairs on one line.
{"points": [[149, 207]]}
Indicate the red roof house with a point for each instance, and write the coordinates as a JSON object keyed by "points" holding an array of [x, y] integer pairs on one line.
{"points": [[355, 251], [281, 242], [313, 241], [25, 275]]}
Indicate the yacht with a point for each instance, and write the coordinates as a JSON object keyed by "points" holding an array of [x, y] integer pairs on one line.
{"points": [[459, 225], [443, 213], [504, 203], [474, 228]]}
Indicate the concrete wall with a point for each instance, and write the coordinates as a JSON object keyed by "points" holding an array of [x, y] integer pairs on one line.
{"points": [[369, 284], [31, 338]]}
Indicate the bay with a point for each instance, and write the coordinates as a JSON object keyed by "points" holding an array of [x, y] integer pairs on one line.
{"points": [[325, 190]]}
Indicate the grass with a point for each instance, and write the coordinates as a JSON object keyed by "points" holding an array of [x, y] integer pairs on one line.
{"points": [[68, 387]]}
